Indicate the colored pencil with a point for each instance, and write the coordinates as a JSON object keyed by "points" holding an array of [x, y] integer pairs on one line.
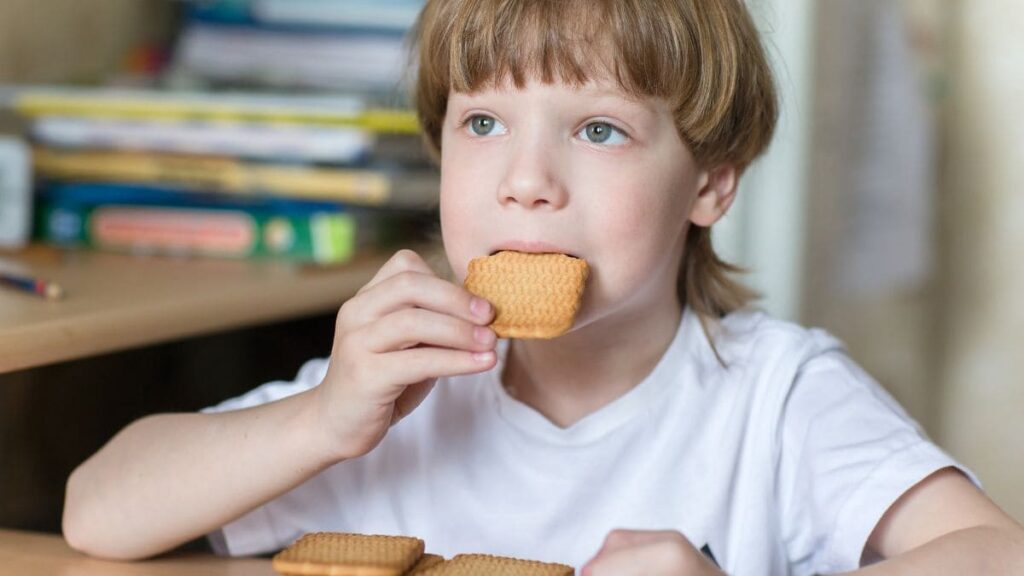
{"points": [[46, 289]]}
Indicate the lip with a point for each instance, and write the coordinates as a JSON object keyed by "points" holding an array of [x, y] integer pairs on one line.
{"points": [[532, 248]]}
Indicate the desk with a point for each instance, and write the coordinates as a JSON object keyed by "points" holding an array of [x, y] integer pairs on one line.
{"points": [[35, 554], [115, 301]]}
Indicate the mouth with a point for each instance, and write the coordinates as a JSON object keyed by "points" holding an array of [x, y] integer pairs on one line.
{"points": [[532, 248]]}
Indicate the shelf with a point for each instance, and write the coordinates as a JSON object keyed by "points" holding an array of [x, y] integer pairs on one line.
{"points": [[115, 302]]}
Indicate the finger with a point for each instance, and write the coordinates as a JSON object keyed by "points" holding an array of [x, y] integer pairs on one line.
{"points": [[417, 364], [415, 289], [401, 261], [416, 326]]}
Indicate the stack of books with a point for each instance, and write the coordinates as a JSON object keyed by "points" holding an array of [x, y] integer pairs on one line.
{"points": [[350, 45], [239, 168]]}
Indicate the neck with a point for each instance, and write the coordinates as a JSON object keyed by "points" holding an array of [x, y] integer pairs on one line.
{"points": [[576, 374]]}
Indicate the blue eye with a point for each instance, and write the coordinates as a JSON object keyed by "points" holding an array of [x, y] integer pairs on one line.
{"points": [[482, 125], [602, 133]]}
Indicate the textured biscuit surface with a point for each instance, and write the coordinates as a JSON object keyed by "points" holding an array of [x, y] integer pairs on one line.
{"points": [[534, 295], [485, 564], [339, 554], [426, 562]]}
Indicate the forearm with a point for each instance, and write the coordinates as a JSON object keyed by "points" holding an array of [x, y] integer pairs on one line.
{"points": [[169, 478], [978, 550]]}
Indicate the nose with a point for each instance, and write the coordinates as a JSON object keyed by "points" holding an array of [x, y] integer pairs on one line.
{"points": [[532, 178]]}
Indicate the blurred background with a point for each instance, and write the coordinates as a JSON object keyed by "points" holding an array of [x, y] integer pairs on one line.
{"points": [[889, 210]]}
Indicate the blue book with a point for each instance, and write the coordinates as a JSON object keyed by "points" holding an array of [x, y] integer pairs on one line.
{"points": [[142, 195], [391, 16]]}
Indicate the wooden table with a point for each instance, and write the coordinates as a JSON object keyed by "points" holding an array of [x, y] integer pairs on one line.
{"points": [[35, 554], [115, 302]]}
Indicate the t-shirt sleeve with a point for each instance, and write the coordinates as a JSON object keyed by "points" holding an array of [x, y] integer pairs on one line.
{"points": [[847, 452], [309, 375], [254, 533]]}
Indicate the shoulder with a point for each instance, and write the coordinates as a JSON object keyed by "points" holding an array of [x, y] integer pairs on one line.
{"points": [[751, 340], [784, 372]]}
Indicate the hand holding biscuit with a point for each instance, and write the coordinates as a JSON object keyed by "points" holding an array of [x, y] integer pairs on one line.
{"points": [[393, 339]]}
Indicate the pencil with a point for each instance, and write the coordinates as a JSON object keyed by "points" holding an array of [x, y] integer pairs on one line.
{"points": [[50, 290]]}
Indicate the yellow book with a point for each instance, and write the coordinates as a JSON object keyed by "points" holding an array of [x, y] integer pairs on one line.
{"points": [[178, 107], [232, 176]]}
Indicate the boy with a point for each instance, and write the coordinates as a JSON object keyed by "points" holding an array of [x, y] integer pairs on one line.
{"points": [[670, 431]]}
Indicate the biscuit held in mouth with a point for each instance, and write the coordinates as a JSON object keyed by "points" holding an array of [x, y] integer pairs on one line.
{"points": [[534, 295]]}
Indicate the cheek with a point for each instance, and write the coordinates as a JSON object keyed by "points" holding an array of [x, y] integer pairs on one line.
{"points": [[643, 209], [636, 249], [641, 230], [456, 222], [461, 214]]}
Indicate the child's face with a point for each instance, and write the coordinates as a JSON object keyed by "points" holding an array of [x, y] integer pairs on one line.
{"points": [[583, 171]]}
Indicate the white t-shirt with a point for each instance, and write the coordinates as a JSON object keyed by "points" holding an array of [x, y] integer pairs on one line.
{"points": [[782, 463]]}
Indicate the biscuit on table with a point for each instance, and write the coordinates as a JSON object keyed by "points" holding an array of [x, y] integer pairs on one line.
{"points": [[426, 562], [534, 295], [339, 554], [487, 565]]}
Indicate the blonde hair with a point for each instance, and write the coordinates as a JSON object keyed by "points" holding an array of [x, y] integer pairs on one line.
{"points": [[703, 56]]}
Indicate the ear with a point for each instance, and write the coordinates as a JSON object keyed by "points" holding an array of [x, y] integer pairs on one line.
{"points": [[715, 193]]}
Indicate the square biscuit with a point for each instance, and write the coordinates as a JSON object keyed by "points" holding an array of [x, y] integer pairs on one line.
{"points": [[341, 554], [488, 565], [534, 295], [426, 562]]}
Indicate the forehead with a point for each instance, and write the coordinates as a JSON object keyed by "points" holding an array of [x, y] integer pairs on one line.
{"points": [[574, 42]]}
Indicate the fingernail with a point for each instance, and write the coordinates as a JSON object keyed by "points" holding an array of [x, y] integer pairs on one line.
{"points": [[483, 357], [482, 335], [480, 308]]}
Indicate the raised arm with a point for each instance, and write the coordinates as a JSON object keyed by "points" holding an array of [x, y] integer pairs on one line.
{"points": [[169, 478]]}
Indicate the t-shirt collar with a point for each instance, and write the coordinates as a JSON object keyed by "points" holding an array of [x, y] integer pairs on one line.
{"points": [[667, 375]]}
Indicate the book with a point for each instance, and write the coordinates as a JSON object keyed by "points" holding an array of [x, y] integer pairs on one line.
{"points": [[322, 238], [234, 54], [310, 15], [285, 143], [221, 107], [227, 175], [154, 220], [372, 14]]}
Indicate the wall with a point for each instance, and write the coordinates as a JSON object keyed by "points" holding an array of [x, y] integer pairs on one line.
{"points": [[916, 215], [75, 40], [764, 229], [982, 236]]}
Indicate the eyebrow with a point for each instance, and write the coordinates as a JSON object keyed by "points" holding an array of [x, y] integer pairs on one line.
{"points": [[594, 92]]}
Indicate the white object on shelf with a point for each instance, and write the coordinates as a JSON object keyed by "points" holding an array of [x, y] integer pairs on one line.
{"points": [[15, 193]]}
